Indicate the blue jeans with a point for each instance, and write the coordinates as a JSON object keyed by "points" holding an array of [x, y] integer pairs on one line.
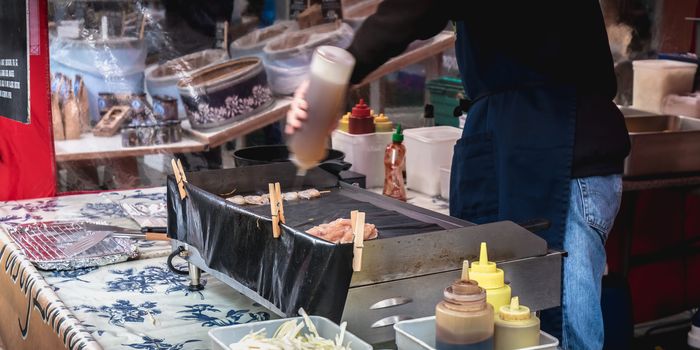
{"points": [[594, 203]]}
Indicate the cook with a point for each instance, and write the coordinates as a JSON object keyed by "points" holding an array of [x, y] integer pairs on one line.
{"points": [[543, 138]]}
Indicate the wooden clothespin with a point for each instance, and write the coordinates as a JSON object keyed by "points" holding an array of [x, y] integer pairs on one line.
{"points": [[179, 177], [280, 203], [357, 220], [276, 209]]}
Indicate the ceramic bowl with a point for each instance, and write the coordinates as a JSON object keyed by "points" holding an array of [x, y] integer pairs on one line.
{"points": [[225, 93]]}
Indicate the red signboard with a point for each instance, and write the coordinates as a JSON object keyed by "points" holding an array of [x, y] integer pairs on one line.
{"points": [[27, 167]]}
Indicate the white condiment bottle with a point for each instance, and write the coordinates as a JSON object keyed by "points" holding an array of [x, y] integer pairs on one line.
{"points": [[330, 72]]}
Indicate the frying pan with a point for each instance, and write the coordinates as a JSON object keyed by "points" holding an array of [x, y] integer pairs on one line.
{"points": [[259, 155]]}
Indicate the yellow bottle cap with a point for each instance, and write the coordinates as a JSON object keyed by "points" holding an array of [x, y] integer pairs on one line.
{"points": [[344, 124], [485, 272], [514, 311], [381, 118], [382, 123]]}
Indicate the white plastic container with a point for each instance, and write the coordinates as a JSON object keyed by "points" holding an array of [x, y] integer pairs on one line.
{"points": [[656, 79], [365, 152], [419, 334], [445, 183], [222, 337], [428, 150]]}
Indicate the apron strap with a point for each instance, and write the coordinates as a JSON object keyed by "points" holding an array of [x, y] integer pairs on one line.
{"points": [[467, 103]]}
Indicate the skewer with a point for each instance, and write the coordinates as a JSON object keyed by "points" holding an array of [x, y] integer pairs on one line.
{"points": [[228, 193], [357, 220], [143, 28], [226, 36], [274, 211]]}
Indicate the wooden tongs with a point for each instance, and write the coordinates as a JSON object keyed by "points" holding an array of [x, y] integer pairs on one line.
{"points": [[276, 208], [357, 220]]}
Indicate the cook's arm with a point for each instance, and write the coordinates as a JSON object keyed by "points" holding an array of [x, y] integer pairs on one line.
{"points": [[392, 28]]}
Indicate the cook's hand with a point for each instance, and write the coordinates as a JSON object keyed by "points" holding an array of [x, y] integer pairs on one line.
{"points": [[297, 116]]}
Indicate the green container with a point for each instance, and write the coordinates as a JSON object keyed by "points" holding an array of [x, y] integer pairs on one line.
{"points": [[445, 93]]}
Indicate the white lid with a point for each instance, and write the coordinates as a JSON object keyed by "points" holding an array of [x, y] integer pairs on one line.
{"points": [[663, 64], [333, 63], [434, 134]]}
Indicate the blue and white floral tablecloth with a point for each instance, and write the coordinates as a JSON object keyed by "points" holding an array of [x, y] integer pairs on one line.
{"points": [[133, 305]]}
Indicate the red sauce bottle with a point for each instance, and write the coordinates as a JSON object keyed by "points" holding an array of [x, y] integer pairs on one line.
{"points": [[361, 120], [394, 158]]}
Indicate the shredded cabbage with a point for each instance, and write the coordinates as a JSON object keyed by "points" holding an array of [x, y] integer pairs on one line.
{"points": [[288, 337]]}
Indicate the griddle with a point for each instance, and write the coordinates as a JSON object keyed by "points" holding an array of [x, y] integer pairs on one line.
{"points": [[418, 251]]}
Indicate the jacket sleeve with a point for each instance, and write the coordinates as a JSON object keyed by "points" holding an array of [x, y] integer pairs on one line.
{"points": [[392, 28]]}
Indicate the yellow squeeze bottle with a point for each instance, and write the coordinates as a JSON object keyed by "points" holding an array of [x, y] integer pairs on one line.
{"points": [[516, 327], [491, 279], [383, 124], [344, 124]]}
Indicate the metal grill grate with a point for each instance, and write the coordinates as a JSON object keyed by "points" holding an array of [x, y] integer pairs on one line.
{"points": [[44, 244]]}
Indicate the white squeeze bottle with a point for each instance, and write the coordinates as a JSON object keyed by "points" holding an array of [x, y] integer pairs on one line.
{"points": [[329, 75]]}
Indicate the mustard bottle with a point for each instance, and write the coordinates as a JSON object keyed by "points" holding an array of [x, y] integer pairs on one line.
{"points": [[516, 327], [464, 320], [491, 278], [382, 124], [344, 124]]}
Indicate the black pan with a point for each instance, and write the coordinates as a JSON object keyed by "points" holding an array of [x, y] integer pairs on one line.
{"points": [[260, 155]]}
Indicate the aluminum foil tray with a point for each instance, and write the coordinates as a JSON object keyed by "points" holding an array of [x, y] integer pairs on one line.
{"points": [[43, 243]]}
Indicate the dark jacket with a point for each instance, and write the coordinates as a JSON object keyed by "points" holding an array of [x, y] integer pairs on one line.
{"points": [[563, 42]]}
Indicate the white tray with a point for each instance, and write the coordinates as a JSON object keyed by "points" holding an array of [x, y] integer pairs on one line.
{"points": [[222, 337], [419, 334]]}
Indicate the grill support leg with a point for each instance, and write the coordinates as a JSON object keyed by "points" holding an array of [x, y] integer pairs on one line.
{"points": [[195, 278]]}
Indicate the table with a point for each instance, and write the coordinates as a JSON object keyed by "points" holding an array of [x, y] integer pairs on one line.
{"points": [[132, 305], [138, 304], [84, 154], [90, 147]]}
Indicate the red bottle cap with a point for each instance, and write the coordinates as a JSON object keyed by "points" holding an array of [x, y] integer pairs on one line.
{"points": [[361, 110]]}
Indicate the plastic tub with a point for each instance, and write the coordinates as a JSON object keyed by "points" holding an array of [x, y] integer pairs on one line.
{"points": [[419, 334], [252, 43], [428, 150], [222, 337], [445, 183], [356, 14], [365, 152], [687, 105], [287, 57], [114, 65], [656, 79], [225, 93], [162, 80]]}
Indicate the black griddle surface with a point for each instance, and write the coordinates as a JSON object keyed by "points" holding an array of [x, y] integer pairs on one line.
{"points": [[304, 214]]}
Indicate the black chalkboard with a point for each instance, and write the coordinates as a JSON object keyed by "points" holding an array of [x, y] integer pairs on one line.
{"points": [[14, 62]]}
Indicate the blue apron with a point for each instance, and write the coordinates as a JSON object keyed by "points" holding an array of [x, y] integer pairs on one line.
{"points": [[514, 159]]}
